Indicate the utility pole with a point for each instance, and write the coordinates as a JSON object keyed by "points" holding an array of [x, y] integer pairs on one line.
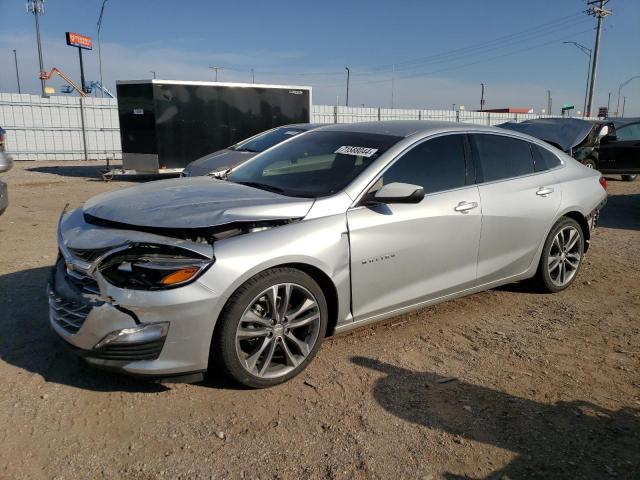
{"points": [[393, 78], [609, 105], [549, 102], [482, 97], [599, 12], [15, 59], [100, 49], [37, 8], [215, 69], [153, 73], [253, 76], [348, 74]]}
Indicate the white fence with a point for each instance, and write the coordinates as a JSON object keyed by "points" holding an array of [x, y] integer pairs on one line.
{"points": [[52, 128]]}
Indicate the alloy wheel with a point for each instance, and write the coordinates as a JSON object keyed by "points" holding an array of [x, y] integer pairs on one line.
{"points": [[278, 330], [564, 256]]}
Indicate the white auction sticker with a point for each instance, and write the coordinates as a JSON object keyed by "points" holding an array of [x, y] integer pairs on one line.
{"points": [[357, 151]]}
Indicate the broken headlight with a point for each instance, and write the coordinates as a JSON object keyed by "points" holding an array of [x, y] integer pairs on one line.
{"points": [[151, 267]]}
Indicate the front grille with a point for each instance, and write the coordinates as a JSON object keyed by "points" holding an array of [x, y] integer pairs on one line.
{"points": [[88, 255], [68, 314], [84, 283], [130, 352]]}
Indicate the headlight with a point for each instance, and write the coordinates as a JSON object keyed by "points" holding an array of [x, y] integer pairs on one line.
{"points": [[151, 267]]}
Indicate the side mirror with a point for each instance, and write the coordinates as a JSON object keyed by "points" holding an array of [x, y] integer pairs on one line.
{"points": [[399, 193], [610, 137]]}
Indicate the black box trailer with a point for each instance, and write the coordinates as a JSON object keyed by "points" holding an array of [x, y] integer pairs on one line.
{"points": [[166, 124]]}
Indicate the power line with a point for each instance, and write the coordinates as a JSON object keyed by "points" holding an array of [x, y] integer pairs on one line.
{"points": [[495, 57], [504, 41], [527, 34]]}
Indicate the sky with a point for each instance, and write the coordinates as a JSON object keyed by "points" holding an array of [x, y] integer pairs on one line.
{"points": [[412, 54]]}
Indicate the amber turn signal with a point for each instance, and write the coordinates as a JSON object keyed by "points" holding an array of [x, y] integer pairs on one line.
{"points": [[180, 276]]}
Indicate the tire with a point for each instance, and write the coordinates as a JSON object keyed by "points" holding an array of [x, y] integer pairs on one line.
{"points": [[629, 178], [256, 343], [549, 275], [590, 163]]}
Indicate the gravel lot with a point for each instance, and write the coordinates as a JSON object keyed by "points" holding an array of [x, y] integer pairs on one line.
{"points": [[502, 384]]}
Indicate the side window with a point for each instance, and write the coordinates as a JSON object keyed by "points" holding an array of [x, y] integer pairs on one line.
{"points": [[545, 160], [502, 157], [436, 165], [629, 132]]}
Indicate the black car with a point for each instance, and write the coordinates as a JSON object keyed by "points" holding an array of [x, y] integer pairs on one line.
{"points": [[610, 146]]}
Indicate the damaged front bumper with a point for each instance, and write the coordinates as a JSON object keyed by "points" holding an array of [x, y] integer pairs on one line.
{"points": [[158, 334]]}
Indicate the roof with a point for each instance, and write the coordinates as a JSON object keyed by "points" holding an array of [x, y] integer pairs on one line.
{"points": [[211, 84], [304, 126], [404, 128], [507, 110]]}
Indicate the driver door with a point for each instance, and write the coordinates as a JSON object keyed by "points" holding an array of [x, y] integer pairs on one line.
{"points": [[404, 254]]}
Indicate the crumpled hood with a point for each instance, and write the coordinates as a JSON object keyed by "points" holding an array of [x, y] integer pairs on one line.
{"points": [[198, 202], [220, 160]]}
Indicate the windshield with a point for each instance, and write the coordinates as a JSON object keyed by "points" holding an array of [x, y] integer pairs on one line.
{"points": [[261, 142], [316, 164]]}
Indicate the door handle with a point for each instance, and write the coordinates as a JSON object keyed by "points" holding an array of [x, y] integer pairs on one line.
{"points": [[544, 191], [464, 207]]}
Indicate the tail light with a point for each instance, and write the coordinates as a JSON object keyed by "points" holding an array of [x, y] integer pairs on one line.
{"points": [[603, 182]]}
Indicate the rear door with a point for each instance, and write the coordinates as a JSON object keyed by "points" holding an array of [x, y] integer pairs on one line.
{"points": [[403, 254], [518, 204]]}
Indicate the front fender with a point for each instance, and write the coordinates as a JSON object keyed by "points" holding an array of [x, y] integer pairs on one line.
{"points": [[321, 243]]}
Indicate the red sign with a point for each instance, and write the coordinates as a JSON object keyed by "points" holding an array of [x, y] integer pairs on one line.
{"points": [[80, 41]]}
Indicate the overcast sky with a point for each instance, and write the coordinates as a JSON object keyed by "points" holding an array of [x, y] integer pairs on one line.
{"points": [[440, 51]]}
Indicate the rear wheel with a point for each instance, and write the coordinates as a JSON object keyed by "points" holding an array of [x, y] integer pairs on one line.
{"points": [[561, 256], [629, 178], [590, 163], [272, 327]]}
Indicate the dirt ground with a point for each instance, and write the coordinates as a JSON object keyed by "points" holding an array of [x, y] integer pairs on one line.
{"points": [[502, 384]]}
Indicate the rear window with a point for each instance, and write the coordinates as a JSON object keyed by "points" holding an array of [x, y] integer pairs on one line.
{"points": [[266, 140], [545, 160], [502, 157]]}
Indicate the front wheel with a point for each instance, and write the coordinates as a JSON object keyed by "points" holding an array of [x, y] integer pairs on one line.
{"points": [[272, 327], [561, 256], [629, 178]]}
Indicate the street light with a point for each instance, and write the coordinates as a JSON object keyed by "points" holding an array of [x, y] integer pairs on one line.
{"points": [[37, 8], [622, 85], [586, 51], [99, 49], [348, 74]]}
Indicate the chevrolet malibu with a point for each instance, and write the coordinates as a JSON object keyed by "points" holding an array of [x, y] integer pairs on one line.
{"points": [[333, 229]]}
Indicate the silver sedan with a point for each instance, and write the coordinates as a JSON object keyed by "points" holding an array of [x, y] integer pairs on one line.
{"points": [[331, 230]]}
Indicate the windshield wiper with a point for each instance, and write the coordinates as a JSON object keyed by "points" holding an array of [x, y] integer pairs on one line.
{"points": [[263, 186]]}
